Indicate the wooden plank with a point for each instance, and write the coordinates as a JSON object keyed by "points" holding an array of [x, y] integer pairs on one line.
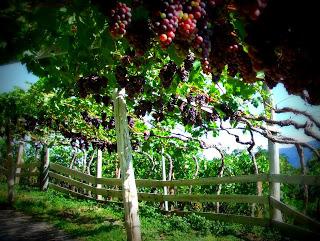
{"points": [[108, 192], [109, 181], [295, 179], [150, 197], [228, 218], [299, 217], [204, 198], [28, 174], [72, 173], [295, 232], [28, 165], [71, 181], [68, 191], [202, 181]]}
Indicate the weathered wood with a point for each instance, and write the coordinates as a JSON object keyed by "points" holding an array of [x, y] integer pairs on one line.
{"points": [[295, 179], [164, 178], [228, 218], [299, 217], [71, 181], [10, 164], [20, 160], [204, 198], [44, 172], [108, 193], [31, 165], [295, 232], [202, 181], [67, 191], [217, 180], [274, 161], [28, 174], [109, 181], [99, 171], [72, 173], [129, 190]]}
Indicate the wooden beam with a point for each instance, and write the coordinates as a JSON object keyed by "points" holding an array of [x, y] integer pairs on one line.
{"points": [[71, 181], [295, 179], [204, 198], [109, 181], [299, 217], [72, 173], [295, 232], [67, 191], [228, 218]]}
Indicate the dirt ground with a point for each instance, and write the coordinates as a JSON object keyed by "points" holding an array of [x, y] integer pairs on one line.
{"points": [[16, 226]]}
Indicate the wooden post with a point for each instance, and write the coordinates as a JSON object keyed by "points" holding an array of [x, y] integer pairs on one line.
{"points": [[129, 189], [274, 165], [20, 161], [10, 165], [44, 172], [99, 170], [164, 178]]}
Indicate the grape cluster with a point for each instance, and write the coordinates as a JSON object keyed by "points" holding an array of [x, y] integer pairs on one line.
{"points": [[184, 70], [143, 107], [120, 18], [252, 9], [104, 146], [166, 74], [105, 99], [226, 51], [281, 44], [91, 84], [96, 122], [139, 36], [130, 121], [133, 84], [284, 46], [166, 21], [108, 124], [78, 140]]}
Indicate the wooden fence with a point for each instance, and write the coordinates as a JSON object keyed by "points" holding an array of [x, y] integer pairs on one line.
{"points": [[62, 178]]}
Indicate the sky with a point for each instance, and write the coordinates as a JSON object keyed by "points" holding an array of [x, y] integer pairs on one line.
{"points": [[16, 74]]}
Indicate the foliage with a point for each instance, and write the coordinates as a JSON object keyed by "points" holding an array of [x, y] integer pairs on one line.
{"points": [[89, 220]]}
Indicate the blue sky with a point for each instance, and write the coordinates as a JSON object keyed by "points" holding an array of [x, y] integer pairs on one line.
{"points": [[15, 75]]}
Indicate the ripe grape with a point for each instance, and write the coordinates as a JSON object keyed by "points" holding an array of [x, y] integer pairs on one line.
{"points": [[120, 18]]}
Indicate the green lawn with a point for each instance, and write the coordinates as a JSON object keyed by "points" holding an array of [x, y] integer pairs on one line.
{"points": [[89, 220]]}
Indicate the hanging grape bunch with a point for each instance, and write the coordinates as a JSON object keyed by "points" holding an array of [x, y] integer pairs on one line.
{"points": [[184, 70], [91, 84], [166, 22], [120, 18], [277, 42], [167, 73]]}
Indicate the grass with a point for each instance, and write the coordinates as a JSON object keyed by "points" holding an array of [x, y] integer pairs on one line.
{"points": [[89, 220]]}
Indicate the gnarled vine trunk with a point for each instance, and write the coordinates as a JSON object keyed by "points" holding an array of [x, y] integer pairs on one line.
{"points": [[129, 189]]}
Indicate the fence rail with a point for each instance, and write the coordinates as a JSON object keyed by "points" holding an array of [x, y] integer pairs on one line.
{"points": [[72, 178], [294, 179]]}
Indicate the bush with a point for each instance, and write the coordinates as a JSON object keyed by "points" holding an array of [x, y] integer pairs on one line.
{"points": [[179, 223], [199, 223]]}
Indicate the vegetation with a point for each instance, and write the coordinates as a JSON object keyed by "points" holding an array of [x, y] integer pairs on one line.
{"points": [[90, 220]]}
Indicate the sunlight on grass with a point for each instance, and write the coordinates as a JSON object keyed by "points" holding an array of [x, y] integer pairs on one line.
{"points": [[88, 220]]}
